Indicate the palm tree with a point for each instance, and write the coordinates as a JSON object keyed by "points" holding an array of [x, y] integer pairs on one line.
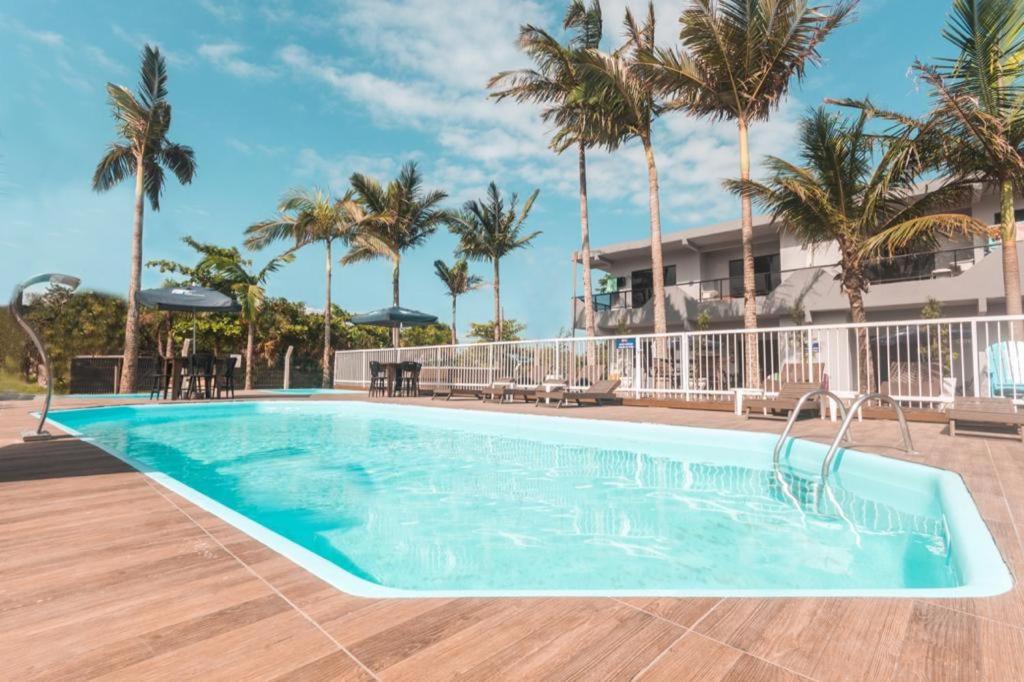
{"points": [[851, 190], [248, 288], [489, 230], [143, 150], [223, 268], [309, 217], [625, 103], [975, 129], [556, 83], [392, 220], [457, 281], [735, 62]]}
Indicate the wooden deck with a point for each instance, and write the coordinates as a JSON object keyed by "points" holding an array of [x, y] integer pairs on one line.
{"points": [[104, 573]]}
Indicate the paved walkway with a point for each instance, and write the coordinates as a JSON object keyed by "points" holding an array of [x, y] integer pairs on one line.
{"points": [[104, 573]]}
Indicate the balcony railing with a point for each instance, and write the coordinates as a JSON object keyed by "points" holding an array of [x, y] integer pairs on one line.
{"points": [[885, 270]]}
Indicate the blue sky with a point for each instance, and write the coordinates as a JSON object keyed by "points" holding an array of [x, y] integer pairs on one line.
{"points": [[274, 94]]}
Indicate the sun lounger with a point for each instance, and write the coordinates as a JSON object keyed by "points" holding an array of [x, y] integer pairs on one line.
{"points": [[497, 391], [449, 392], [600, 392], [527, 393], [988, 411], [786, 401]]}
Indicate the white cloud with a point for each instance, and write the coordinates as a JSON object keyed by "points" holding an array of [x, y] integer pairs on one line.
{"points": [[225, 56], [424, 63], [225, 11], [334, 173], [44, 37], [250, 149]]}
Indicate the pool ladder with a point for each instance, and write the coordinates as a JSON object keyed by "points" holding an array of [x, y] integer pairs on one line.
{"points": [[844, 428]]}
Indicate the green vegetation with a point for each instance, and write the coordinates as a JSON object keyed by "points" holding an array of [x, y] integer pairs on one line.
{"points": [[482, 332], [458, 282]]}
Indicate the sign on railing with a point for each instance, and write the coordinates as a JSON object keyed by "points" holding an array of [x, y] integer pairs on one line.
{"points": [[921, 363]]}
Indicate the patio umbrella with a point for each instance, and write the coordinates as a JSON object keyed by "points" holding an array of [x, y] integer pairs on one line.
{"points": [[188, 299], [393, 317]]}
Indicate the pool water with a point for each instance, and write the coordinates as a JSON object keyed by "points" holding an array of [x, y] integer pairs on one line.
{"points": [[311, 391], [400, 500]]}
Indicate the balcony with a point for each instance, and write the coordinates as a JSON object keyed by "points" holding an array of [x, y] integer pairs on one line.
{"points": [[722, 288]]}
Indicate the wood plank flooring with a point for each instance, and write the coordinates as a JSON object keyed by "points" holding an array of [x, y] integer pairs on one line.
{"points": [[105, 574]]}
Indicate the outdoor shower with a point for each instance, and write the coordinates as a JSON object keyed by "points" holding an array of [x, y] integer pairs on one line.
{"points": [[53, 278]]}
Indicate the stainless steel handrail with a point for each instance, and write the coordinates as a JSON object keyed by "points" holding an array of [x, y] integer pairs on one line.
{"points": [[908, 444], [796, 413]]}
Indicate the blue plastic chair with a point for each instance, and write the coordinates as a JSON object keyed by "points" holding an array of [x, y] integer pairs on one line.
{"points": [[1006, 368]]}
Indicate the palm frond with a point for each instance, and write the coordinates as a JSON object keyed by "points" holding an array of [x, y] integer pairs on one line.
{"points": [[116, 165]]}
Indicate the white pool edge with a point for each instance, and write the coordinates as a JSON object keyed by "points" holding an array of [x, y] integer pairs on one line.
{"points": [[976, 547]]}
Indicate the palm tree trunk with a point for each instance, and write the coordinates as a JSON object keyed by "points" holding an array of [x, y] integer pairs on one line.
{"points": [[497, 300], [1011, 266], [588, 294], [326, 380], [130, 367], [855, 293], [250, 337], [657, 263], [753, 365], [455, 338], [395, 331]]}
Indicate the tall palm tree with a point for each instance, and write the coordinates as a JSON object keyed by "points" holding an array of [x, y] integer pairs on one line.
{"points": [[249, 288], [457, 281], [143, 120], [849, 189], [223, 268], [626, 105], [310, 217], [735, 61], [556, 83], [392, 220], [488, 229], [975, 129]]}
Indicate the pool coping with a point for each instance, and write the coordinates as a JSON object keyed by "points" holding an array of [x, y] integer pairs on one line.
{"points": [[983, 578]]}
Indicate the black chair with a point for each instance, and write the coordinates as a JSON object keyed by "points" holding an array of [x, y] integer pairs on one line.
{"points": [[161, 380], [200, 375], [410, 378], [225, 381], [378, 379]]}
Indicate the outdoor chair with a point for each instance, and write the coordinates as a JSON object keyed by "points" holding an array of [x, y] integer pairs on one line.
{"points": [[596, 394], [985, 411], [225, 381], [789, 395], [161, 381], [498, 390], [1006, 368], [408, 380], [378, 379], [200, 375]]}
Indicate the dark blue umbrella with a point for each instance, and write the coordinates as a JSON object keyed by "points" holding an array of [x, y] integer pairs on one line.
{"points": [[190, 300], [395, 316]]}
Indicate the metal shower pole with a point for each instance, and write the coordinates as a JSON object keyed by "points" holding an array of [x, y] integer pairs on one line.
{"points": [[52, 278]]}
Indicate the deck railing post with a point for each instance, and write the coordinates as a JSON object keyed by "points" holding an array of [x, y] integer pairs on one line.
{"points": [[636, 366], [288, 368], [975, 358], [490, 363]]}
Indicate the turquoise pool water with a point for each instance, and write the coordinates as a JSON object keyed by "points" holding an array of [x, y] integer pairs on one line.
{"points": [[311, 391], [102, 396], [406, 500]]}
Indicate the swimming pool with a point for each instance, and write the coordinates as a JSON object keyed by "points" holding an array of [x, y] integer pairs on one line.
{"points": [[311, 391], [392, 500]]}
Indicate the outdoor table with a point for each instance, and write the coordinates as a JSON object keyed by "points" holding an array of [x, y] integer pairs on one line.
{"points": [[391, 372], [550, 386]]}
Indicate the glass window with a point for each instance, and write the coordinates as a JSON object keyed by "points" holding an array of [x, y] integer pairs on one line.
{"points": [[766, 275], [1018, 216]]}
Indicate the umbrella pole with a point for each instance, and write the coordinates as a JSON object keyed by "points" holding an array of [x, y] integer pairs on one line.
{"points": [[193, 332]]}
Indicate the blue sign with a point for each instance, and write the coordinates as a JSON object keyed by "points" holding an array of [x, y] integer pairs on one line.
{"points": [[625, 344]]}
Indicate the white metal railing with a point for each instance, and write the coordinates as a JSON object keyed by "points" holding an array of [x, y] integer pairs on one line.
{"points": [[920, 363]]}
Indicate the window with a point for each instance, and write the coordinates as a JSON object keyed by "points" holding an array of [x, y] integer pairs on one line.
{"points": [[642, 283], [766, 275], [1018, 216]]}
